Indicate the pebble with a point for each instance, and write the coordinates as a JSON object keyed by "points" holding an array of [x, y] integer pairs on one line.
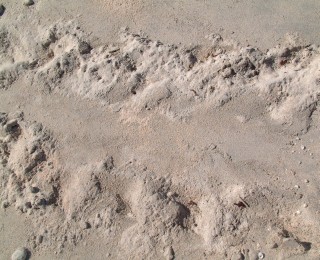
{"points": [[306, 181], [275, 245], [303, 147], [296, 186], [169, 253], [2, 9], [5, 204], [305, 205], [169, 194], [28, 2], [21, 253], [85, 225]]}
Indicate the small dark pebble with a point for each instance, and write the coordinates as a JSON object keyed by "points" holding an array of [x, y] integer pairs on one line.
{"points": [[2, 9]]}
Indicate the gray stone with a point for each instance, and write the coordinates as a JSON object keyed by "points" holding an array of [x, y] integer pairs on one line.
{"points": [[2, 9], [21, 253]]}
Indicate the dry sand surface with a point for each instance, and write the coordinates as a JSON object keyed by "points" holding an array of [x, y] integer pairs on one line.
{"points": [[159, 129]]}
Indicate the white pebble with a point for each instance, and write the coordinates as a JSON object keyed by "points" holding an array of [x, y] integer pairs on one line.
{"points": [[28, 2], [169, 194], [303, 147], [296, 186], [306, 181], [305, 205]]}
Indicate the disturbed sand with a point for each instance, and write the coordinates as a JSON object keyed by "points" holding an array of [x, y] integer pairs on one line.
{"points": [[123, 143]]}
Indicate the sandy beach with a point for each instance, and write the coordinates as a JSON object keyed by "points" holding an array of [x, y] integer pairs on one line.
{"points": [[159, 129]]}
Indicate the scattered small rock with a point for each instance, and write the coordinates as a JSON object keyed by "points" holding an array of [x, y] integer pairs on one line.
{"points": [[303, 147], [21, 253], [275, 245], [169, 253], [306, 181], [169, 194], [5, 204], [305, 205], [28, 2], [2, 9], [260, 255], [85, 225]]}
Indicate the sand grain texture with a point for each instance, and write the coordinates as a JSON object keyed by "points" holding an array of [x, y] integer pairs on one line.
{"points": [[136, 147]]}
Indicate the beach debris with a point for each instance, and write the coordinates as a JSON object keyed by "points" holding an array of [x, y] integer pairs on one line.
{"points": [[260, 255]]}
